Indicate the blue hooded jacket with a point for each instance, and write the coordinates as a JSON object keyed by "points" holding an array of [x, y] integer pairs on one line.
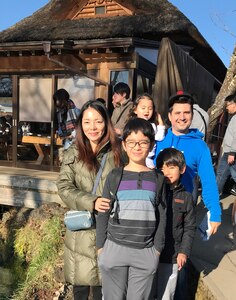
{"points": [[198, 162]]}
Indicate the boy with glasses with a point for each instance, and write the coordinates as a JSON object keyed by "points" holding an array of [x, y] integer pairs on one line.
{"points": [[131, 234]]}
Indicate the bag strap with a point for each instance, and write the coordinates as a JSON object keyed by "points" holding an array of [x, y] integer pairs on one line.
{"points": [[99, 174]]}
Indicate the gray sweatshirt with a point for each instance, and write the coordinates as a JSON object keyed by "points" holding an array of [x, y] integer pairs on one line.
{"points": [[229, 142]]}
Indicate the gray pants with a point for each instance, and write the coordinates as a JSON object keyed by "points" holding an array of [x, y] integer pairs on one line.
{"points": [[127, 273], [167, 275]]}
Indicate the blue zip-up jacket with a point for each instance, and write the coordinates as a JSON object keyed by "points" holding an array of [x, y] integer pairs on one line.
{"points": [[199, 162]]}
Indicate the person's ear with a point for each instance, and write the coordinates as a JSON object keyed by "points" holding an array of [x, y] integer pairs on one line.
{"points": [[124, 146], [169, 116], [151, 146], [183, 170]]}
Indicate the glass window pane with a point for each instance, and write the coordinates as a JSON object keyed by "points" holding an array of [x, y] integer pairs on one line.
{"points": [[100, 10], [119, 76]]}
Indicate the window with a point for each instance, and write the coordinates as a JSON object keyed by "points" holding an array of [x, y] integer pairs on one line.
{"points": [[5, 87], [119, 76], [100, 10]]}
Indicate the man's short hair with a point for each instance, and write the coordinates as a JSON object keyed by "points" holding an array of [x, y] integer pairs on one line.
{"points": [[121, 88], [231, 98], [180, 97]]}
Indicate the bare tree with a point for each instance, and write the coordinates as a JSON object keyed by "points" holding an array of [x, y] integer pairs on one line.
{"points": [[228, 87]]}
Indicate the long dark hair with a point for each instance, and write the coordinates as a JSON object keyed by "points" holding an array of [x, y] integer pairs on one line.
{"points": [[86, 154]]}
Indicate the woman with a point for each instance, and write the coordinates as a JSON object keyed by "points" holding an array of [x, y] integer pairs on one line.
{"points": [[95, 136]]}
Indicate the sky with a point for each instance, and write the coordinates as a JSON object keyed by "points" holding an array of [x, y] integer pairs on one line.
{"points": [[215, 19]]}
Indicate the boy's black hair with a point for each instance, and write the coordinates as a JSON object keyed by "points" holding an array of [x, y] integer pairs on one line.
{"points": [[180, 97], [170, 157], [121, 88], [138, 124]]}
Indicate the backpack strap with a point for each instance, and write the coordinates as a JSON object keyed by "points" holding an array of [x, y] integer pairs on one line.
{"points": [[116, 175], [161, 191]]}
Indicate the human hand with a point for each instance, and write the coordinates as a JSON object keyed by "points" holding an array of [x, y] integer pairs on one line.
{"points": [[214, 227], [118, 131], [99, 251], [231, 159], [159, 120], [181, 260], [102, 204]]}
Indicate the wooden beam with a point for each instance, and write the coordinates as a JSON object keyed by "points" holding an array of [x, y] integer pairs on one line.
{"points": [[25, 64]]}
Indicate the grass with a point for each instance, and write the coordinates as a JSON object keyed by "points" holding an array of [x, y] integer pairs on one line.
{"points": [[39, 244]]}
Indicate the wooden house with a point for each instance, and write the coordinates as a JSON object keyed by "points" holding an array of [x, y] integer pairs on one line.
{"points": [[86, 47]]}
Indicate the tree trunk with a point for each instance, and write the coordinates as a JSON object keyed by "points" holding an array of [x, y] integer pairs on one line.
{"points": [[228, 87]]}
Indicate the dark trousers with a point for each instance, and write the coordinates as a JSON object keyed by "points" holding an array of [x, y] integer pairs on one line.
{"points": [[82, 292]]}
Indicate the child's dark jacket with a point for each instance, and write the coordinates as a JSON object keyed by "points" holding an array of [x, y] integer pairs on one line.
{"points": [[180, 226]]}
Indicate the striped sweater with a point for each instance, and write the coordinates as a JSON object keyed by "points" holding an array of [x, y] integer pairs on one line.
{"points": [[132, 219]]}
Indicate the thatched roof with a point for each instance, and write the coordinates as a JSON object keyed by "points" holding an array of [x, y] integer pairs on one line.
{"points": [[152, 19]]}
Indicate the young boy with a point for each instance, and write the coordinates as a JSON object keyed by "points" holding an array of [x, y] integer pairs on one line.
{"points": [[181, 223], [130, 236]]}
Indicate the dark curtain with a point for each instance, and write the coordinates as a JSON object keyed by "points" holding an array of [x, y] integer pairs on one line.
{"points": [[177, 70]]}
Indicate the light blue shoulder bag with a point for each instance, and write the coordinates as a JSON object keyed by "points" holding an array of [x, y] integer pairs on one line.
{"points": [[83, 219]]}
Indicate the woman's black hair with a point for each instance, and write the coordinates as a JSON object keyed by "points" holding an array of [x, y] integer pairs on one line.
{"points": [[86, 154], [98, 106], [61, 95], [139, 124]]}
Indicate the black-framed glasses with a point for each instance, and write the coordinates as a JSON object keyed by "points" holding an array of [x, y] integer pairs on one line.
{"points": [[142, 144]]}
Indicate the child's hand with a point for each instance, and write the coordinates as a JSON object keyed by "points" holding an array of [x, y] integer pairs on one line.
{"points": [[102, 204], [99, 251], [159, 120], [181, 260], [118, 131]]}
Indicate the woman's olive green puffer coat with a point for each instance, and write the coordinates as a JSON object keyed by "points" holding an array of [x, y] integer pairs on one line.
{"points": [[75, 184]]}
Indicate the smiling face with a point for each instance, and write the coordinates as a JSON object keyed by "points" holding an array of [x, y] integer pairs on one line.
{"points": [[137, 147], [172, 174], [144, 109], [93, 126], [180, 117]]}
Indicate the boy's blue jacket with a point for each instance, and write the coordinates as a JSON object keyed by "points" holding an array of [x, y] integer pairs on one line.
{"points": [[198, 161]]}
